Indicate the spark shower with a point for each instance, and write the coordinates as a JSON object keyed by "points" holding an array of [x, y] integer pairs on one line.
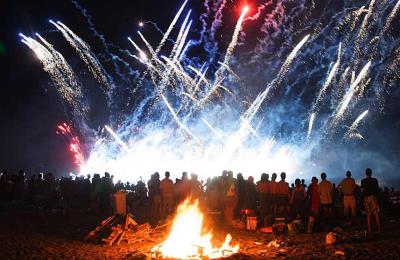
{"points": [[281, 101]]}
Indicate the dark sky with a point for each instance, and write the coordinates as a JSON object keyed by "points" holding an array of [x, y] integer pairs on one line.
{"points": [[30, 107]]}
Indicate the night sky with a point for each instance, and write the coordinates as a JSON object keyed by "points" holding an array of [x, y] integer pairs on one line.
{"points": [[30, 107]]}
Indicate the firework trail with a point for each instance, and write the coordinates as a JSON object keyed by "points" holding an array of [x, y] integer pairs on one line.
{"points": [[212, 45], [350, 133], [59, 71], [213, 130], [116, 137], [331, 74], [233, 43], [84, 52], [290, 58], [182, 126], [171, 27], [181, 87], [391, 16], [310, 124], [229, 52], [363, 30], [349, 95], [180, 38], [229, 70]]}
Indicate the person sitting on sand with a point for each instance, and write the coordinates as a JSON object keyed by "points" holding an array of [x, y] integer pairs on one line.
{"points": [[370, 190]]}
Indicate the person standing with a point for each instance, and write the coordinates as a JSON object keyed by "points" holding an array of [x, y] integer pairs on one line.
{"points": [[182, 188], [370, 191], [313, 196], [250, 195], [348, 186], [196, 188], [325, 189], [273, 195], [167, 195], [230, 203], [263, 190], [155, 195], [298, 200], [282, 195]]}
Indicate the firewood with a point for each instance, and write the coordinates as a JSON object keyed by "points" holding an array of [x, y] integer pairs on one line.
{"points": [[100, 227], [114, 238], [121, 237]]}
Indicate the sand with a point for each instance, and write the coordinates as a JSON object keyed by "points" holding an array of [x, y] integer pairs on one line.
{"points": [[41, 235]]}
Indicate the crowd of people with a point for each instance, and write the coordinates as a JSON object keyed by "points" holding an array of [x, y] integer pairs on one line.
{"points": [[269, 198]]}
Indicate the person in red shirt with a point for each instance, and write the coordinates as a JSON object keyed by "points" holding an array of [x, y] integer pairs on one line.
{"points": [[313, 196]]}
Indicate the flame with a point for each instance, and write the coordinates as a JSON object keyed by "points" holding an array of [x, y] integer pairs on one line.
{"points": [[188, 240]]}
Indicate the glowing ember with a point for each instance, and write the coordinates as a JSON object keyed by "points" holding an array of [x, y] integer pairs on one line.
{"points": [[188, 239]]}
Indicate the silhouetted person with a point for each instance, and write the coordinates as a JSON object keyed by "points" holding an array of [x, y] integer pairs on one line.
{"points": [[182, 188], [282, 196], [303, 183], [250, 199], [273, 191], [230, 201], [241, 189], [348, 186], [155, 195], [370, 190], [167, 194], [298, 200], [196, 188], [264, 196], [325, 189], [313, 196]]}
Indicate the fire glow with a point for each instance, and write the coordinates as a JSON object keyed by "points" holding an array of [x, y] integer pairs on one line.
{"points": [[189, 240]]}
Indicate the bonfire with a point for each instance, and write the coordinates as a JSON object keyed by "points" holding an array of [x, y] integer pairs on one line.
{"points": [[188, 238]]}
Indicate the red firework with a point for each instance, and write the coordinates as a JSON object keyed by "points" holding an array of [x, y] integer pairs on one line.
{"points": [[74, 143]]}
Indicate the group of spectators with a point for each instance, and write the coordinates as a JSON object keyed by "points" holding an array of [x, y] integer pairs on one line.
{"points": [[45, 192], [268, 198]]}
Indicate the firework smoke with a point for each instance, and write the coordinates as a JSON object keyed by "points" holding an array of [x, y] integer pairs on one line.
{"points": [[181, 121]]}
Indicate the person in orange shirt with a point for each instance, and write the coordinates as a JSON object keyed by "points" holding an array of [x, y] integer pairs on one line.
{"points": [[282, 196], [167, 195], [264, 194]]}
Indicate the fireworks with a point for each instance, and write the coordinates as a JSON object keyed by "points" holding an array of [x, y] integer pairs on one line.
{"points": [[351, 133], [197, 113], [74, 144]]}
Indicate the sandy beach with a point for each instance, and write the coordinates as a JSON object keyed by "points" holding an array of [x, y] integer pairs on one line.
{"points": [[44, 235]]}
